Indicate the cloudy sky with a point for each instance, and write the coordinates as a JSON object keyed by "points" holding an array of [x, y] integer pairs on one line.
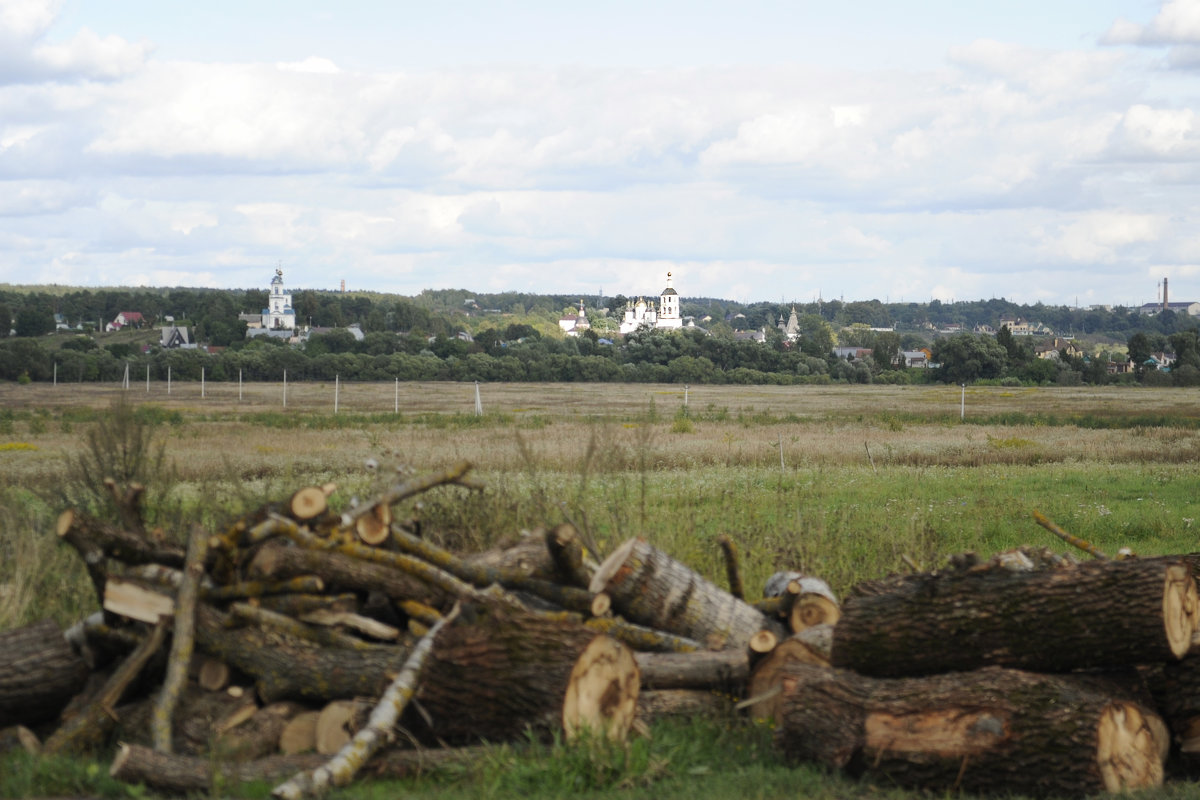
{"points": [[1039, 150]]}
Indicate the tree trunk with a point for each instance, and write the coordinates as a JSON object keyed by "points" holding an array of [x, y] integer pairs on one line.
{"points": [[1097, 614], [39, 673], [501, 669], [650, 588], [993, 730]]}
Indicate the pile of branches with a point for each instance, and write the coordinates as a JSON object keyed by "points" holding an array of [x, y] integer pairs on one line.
{"points": [[309, 646]]}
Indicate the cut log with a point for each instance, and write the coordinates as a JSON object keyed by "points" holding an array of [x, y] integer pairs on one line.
{"points": [[308, 503], [338, 722], [733, 570], [815, 604], [279, 560], [299, 735], [724, 671], [527, 557], [285, 667], [990, 730], [566, 551], [213, 675], [682, 703], [1097, 614], [356, 622], [650, 588], [501, 670], [256, 737], [192, 775], [602, 691], [116, 542], [39, 674], [374, 527], [134, 601], [768, 684], [1179, 701]]}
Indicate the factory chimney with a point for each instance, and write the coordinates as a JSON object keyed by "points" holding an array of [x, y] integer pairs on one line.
{"points": [[1164, 308]]}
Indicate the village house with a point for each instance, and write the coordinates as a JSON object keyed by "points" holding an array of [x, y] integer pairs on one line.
{"points": [[573, 324], [918, 359], [175, 337], [1055, 347], [126, 319]]}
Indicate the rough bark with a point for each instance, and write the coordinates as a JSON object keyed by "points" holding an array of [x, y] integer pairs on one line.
{"points": [[566, 550], [117, 542], [722, 670], [285, 667], [39, 673], [650, 588], [1097, 614], [258, 736], [986, 731], [500, 670]]}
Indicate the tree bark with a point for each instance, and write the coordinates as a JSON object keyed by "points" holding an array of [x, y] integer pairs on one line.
{"points": [[279, 560], [650, 588], [39, 674], [500, 670], [1097, 614], [993, 730], [285, 667], [721, 670]]}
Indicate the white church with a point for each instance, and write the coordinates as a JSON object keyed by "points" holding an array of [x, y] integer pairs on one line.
{"points": [[665, 317], [279, 314]]}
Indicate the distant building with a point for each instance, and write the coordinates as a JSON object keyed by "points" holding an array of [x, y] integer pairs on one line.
{"points": [[1191, 308], [573, 324], [175, 337], [665, 317], [126, 319], [279, 315], [790, 329]]}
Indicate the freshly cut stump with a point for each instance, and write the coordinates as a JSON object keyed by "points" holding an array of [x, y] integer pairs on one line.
{"points": [[650, 588], [1095, 614], [602, 692], [992, 730], [308, 503]]}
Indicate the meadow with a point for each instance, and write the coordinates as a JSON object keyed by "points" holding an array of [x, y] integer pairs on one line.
{"points": [[844, 482]]}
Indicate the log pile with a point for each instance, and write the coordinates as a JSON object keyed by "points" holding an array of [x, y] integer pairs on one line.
{"points": [[306, 646], [309, 645]]}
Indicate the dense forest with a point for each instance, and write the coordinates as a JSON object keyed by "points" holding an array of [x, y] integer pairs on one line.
{"points": [[514, 336]]}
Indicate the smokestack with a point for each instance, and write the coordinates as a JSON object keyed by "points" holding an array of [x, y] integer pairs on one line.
{"points": [[1164, 294]]}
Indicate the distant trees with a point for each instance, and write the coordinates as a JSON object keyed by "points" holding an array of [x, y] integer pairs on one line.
{"points": [[968, 357]]}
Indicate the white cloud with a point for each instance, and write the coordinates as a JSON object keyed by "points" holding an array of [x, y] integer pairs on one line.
{"points": [[1177, 22]]}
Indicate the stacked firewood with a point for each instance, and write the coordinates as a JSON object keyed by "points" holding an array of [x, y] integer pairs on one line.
{"points": [[311, 644]]}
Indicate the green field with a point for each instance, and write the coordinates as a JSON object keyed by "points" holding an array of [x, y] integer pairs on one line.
{"points": [[845, 482]]}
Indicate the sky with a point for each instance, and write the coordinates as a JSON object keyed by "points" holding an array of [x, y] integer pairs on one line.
{"points": [[758, 150]]}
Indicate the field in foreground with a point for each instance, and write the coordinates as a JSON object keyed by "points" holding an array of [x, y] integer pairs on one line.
{"points": [[843, 482]]}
